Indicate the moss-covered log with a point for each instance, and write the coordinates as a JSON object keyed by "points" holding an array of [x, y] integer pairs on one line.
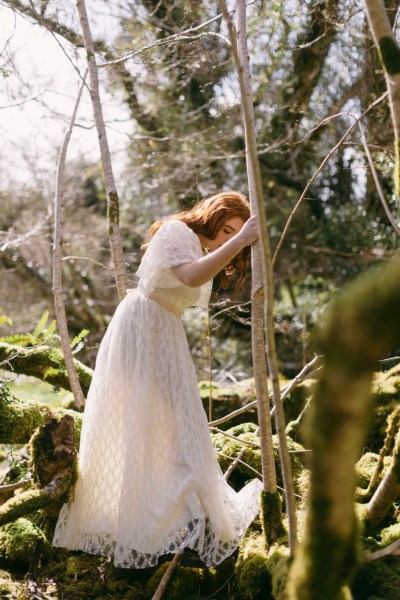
{"points": [[18, 540], [54, 469], [363, 325], [43, 362], [19, 419]]}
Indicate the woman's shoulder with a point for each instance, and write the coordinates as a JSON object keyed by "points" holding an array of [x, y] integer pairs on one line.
{"points": [[177, 227]]}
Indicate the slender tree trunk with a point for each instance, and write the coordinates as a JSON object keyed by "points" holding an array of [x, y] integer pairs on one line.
{"points": [[389, 53], [388, 490], [362, 326], [392, 428], [262, 272], [57, 264], [112, 196]]}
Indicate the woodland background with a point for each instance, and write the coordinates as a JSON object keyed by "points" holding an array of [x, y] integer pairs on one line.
{"points": [[173, 114]]}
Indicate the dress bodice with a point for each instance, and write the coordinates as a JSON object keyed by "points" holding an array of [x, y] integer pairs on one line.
{"points": [[173, 244]]}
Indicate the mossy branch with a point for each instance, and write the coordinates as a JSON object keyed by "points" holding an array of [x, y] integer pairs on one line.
{"points": [[45, 363], [33, 500], [363, 325], [19, 419], [54, 459]]}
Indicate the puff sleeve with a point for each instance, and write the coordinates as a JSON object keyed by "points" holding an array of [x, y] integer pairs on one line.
{"points": [[173, 244]]}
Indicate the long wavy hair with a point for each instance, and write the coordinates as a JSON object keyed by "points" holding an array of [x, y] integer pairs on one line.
{"points": [[206, 217]]}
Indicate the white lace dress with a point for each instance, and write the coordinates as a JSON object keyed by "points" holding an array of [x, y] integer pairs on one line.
{"points": [[149, 482]]}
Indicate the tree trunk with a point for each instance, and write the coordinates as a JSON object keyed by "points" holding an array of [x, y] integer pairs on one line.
{"points": [[389, 53], [363, 325], [388, 490], [112, 196], [57, 264], [262, 275]]}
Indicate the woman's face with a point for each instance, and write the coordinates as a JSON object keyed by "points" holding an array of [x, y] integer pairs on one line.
{"points": [[231, 227]]}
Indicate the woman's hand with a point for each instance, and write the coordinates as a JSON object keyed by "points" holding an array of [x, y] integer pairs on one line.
{"points": [[249, 232], [196, 273]]}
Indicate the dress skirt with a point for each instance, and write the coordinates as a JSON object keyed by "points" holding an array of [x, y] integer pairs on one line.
{"points": [[149, 482]]}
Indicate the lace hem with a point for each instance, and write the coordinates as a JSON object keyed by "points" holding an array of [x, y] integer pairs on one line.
{"points": [[197, 535]]}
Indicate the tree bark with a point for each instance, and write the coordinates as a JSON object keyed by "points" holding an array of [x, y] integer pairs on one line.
{"points": [[388, 490], [112, 195], [363, 325], [389, 54], [262, 274]]}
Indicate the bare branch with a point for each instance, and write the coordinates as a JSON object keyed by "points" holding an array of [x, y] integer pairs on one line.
{"points": [[59, 304]]}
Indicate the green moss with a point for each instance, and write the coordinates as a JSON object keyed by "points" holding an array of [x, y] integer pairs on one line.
{"points": [[390, 534], [278, 567], [252, 578], [271, 517], [386, 396], [365, 468], [390, 54], [23, 504], [45, 363], [186, 583], [9, 588], [113, 208], [379, 579], [18, 540], [252, 456], [19, 419]]}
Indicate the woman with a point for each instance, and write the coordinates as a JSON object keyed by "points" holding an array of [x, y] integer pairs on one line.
{"points": [[149, 482]]}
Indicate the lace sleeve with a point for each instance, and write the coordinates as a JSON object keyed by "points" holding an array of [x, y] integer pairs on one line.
{"points": [[173, 244]]}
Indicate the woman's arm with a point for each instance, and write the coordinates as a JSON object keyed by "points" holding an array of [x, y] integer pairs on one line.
{"points": [[198, 272]]}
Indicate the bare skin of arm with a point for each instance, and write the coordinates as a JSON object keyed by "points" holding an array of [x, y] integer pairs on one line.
{"points": [[198, 272]]}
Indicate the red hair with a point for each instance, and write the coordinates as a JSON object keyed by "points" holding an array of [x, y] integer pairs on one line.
{"points": [[207, 217]]}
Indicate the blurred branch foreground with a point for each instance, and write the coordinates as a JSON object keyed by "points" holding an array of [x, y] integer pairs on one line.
{"points": [[363, 325]]}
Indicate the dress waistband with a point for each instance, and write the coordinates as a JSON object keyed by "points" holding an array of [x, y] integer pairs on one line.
{"points": [[163, 303]]}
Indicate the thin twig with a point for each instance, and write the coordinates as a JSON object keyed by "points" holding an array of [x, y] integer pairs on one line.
{"points": [[236, 439], [4, 489], [172, 38], [393, 548], [304, 373], [59, 304], [317, 172], [378, 186], [239, 461], [233, 465], [166, 577]]}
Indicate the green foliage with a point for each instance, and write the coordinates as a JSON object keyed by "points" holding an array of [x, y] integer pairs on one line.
{"points": [[78, 341], [43, 333], [4, 319]]}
